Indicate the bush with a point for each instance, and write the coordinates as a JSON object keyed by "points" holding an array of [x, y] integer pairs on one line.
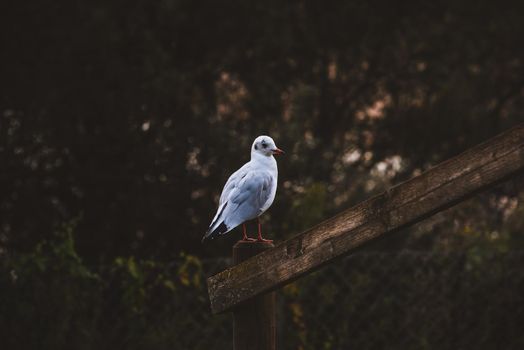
{"points": [[52, 300]]}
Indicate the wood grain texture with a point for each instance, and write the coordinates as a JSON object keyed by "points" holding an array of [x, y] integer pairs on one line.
{"points": [[254, 322], [435, 190]]}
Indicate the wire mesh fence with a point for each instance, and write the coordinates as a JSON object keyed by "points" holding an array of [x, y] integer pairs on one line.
{"points": [[369, 300], [402, 300], [408, 300]]}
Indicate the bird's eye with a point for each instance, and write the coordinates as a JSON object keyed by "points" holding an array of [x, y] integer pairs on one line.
{"points": [[264, 144]]}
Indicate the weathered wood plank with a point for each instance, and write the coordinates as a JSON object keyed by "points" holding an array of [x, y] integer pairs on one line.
{"points": [[437, 189], [254, 322]]}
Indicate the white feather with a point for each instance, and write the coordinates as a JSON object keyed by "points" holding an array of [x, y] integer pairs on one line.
{"points": [[249, 191]]}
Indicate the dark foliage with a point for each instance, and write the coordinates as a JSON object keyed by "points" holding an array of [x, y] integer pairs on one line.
{"points": [[120, 122], [131, 115]]}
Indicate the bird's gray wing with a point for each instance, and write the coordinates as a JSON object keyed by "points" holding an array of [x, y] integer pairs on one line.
{"points": [[233, 182], [243, 198], [230, 187], [247, 199]]}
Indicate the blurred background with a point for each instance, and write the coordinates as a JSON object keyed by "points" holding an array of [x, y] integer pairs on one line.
{"points": [[120, 122]]}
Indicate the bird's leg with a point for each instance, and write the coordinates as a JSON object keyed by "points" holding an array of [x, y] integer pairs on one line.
{"points": [[244, 234], [260, 239]]}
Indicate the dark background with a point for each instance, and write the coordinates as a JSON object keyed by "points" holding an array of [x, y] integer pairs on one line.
{"points": [[120, 121]]}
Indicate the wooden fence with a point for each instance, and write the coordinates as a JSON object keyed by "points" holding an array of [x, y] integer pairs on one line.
{"points": [[245, 285]]}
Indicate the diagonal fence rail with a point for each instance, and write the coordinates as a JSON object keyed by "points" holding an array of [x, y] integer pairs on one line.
{"points": [[435, 190]]}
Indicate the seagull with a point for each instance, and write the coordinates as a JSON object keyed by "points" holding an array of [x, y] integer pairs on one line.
{"points": [[249, 192]]}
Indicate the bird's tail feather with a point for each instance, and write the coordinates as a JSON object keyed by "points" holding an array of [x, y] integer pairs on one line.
{"points": [[218, 216], [219, 230], [217, 226]]}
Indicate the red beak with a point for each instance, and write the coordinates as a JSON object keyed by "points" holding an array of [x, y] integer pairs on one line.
{"points": [[278, 151]]}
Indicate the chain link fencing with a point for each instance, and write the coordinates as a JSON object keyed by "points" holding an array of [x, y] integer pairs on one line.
{"points": [[368, 300], [399, 300], [408, 300]]}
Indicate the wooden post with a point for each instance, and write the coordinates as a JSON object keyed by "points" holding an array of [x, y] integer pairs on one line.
{"points": [[254, 322], [438, 188]]}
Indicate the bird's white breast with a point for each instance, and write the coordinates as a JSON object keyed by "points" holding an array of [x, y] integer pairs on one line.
{"points": [[269, 165]]}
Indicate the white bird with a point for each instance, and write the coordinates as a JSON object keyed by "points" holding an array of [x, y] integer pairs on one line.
{"points": [[249, 192]]}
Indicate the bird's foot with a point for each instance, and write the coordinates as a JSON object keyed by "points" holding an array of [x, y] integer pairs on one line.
{"points": [[260, 239], [245, 238]]}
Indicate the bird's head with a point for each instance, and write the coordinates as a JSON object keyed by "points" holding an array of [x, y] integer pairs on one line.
{"points": [[265, 145]]}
